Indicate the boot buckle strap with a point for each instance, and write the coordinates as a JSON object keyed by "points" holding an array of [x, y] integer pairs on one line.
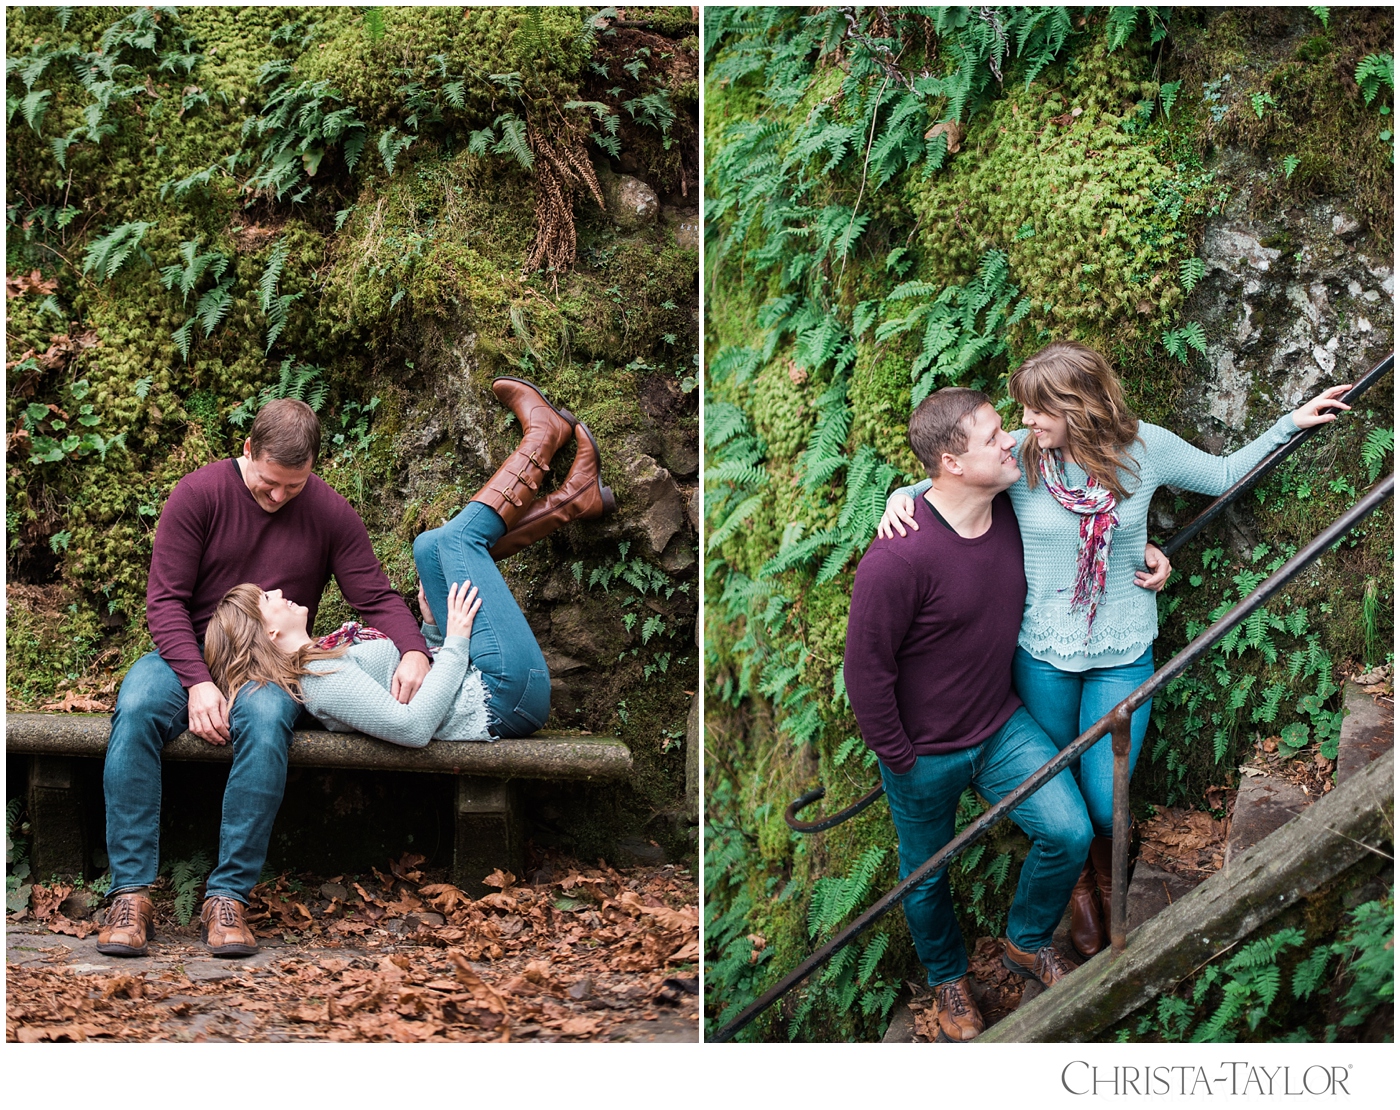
{"points": [[509, 495]]}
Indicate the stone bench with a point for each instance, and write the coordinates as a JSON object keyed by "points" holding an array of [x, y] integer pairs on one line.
{"points": [[488, 833]]}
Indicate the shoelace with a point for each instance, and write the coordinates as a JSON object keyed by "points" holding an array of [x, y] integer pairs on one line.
{"points": [[1049, 964], [951, 998], [224, 908], [122, 913]]}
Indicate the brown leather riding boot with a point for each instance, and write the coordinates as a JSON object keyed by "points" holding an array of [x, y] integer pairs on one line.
{"points": [[224, 928], [128, 924], [1047, 964], [1086, 931], [544, 429], [959, 1019], [582, 497], [1101, 860]]}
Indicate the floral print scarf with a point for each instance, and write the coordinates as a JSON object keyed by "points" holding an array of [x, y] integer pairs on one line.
{"points": [[1095, 505], [351, 632]]}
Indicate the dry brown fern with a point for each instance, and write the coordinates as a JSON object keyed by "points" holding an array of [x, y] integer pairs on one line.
{"points": [[560, 171]]}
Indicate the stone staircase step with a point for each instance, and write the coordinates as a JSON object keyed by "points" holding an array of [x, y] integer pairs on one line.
{"points": [[1263, 804], [1368, 731], [1153, 889]]}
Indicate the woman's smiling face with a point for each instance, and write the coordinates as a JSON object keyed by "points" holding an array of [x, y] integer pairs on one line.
{"points": [[280, 616], [1050, 431]]}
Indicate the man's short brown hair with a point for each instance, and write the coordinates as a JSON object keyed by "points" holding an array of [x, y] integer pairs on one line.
{"points": [[287, 432], [937, 425]]}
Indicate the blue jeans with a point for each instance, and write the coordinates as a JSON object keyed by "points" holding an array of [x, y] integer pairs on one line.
{"points": [[924, 804], [503, 646], [1065, 703], [152, 709]]}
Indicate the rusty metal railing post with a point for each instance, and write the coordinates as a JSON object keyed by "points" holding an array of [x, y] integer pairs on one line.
{"points": [[1118, 899]]}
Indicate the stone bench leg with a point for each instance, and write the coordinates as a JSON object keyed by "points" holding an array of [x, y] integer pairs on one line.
{"points": [[57, 822], [489, 833]]}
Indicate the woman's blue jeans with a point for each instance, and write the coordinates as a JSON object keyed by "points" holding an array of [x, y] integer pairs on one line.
{"points": [[1065, 703], [924, 805], [153, 709], [503, 647]]}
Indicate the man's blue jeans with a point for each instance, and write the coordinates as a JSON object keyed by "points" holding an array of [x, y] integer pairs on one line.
{"points": [[1065, 703], [924, 804], [152, 709], [503, 646]]}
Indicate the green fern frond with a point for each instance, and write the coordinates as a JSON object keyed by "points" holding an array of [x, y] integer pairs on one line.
{"points": [[107, 255], [272, 273]]}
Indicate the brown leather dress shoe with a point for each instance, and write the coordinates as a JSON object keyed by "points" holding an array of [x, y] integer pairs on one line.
{"points": [[223, 928], [959, 1019], [128, 925], [1047, 965], [1086, 929], [582, 496]]}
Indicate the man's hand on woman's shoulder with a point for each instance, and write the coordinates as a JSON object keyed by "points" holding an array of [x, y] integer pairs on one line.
{"points": [[899, 511]]}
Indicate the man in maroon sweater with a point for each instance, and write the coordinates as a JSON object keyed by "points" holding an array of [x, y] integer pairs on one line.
{"points": [[932, 630], [261, 518]]}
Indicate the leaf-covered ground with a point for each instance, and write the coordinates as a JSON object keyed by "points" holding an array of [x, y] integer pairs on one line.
{"points": [[570, 953]]}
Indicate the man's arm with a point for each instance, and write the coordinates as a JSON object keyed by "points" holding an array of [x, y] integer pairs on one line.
{"points": [[179, 543], [366, 587], [882, 609]]}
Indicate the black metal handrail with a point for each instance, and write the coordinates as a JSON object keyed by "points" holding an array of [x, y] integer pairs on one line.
{"points": [[1116, 721], [816, 794], [1190, 530]]}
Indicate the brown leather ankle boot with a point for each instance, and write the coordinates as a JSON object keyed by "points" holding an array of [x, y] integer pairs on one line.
{"points": [[1101, 860], [1086, 931], [544, 429], [582, 497]]}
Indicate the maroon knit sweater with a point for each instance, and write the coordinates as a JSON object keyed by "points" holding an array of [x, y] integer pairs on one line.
{"points": [[932, 630], [212, 535]]}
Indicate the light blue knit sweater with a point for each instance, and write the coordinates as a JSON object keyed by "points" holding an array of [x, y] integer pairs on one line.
{"points": [[351, 694], [1126, 622]]}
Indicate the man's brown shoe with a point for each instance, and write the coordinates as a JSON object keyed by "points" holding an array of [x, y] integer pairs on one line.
{"points": [[959, 1019], [127, 925], [223, 928], [1047, 965]]}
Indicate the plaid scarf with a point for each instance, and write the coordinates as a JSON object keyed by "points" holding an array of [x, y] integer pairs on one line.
{"points": [[351, 632], [1097, 519]]}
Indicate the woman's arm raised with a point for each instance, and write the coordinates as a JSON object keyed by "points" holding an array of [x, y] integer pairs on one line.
{"points": [[1175, 462]]}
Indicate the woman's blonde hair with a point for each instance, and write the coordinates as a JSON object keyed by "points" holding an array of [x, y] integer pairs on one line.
{"points": [[1076, 382], [238, 650]]}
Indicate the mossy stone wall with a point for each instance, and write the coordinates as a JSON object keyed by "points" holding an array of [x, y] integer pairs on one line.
{"points": [[405, 281]]}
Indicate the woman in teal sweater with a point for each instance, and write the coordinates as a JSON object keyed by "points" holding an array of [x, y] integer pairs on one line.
{"points": [[1089, 469]]}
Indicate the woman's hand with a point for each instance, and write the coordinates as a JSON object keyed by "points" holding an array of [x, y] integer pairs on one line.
{"points": [[1313, 413], [462, 606], [1159, 569], [423, 607], [899, 511]]}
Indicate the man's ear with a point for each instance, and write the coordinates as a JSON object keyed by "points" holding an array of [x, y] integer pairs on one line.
{"points": [[950, 464], [248, 448]]}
